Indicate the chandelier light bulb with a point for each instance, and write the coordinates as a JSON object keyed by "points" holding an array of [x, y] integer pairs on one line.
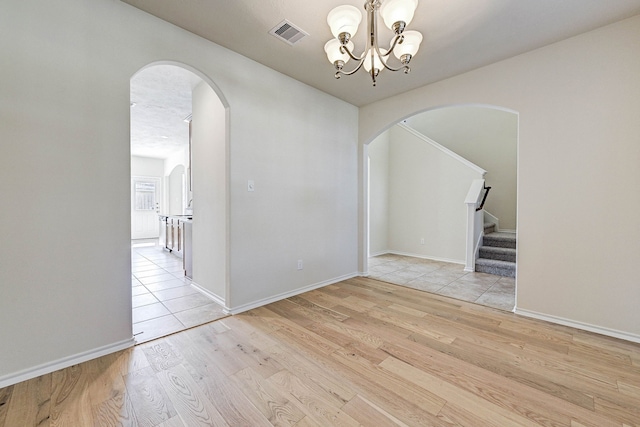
{"points": [[409, 46], [344, 19], [332, 49], [377, 61], [393, 11]]}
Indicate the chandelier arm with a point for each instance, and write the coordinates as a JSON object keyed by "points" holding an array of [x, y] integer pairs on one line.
{"points": [[406, 68], [399, 38], [345, 49], [348, 73]]}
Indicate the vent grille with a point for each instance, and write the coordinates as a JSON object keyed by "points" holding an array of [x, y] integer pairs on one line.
{"points": [[288, 33]]}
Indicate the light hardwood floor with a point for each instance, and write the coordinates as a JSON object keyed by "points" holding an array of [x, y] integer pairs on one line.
{"points": [[360, 352]]}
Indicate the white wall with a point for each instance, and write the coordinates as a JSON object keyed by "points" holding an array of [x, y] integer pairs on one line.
{"points": [[300, 148], [147, 166], [179, 157], [210, 191], [379, 195], [65, 119], [426, 191], [487, 137], [176, 188], [578, 230]]}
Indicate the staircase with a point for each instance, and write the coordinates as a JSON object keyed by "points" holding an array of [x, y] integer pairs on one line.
{"points": [[497, 253]]}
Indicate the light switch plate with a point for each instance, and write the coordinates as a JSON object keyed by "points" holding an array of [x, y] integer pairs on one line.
{"points": [[251, 185]]}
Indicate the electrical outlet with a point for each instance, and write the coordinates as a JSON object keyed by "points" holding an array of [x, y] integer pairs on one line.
{"points": [[299, 264], [422, 241]]}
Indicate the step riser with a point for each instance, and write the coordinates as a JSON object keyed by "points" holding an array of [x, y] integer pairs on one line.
{"points": [[498, 271], [499, 243], [500, 256]]}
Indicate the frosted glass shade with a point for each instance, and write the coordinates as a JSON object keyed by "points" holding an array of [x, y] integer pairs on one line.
{"points": [[332, 49], [377, 61], [344, 19], [393, 11], [410, 45]]}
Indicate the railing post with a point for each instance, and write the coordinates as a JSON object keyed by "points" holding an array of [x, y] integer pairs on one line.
{"points": [[474, 227]]}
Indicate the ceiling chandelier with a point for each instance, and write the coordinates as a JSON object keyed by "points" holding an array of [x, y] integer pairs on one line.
{"points": [[344, 21]]}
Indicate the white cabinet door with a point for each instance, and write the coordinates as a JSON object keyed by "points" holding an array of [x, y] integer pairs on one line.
{"points": [[145, 206]]}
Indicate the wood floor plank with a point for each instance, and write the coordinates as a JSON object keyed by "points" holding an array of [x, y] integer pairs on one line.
{"points": [[161, 355], [313, 373], [369, 414], [357, 352], [115, 412], [28, 404], [70, 401], [507, 370], [424, 398], [149, 398], [277, 408], [484, 411], [190, 403], [318, 405], [529, 402], [5, 396], [222, 392]]}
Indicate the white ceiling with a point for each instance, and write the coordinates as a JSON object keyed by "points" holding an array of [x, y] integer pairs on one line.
{"points": [[160, 101], [459, 35]]}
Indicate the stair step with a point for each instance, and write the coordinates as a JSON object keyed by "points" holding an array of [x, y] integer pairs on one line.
{"points": [[499, 268], [500, 240], [489, 227], [498, 253]]}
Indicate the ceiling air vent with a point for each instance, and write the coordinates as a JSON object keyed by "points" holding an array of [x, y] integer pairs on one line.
{"points": [[288, 33]]}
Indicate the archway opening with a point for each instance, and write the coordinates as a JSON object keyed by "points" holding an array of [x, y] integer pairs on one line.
{"points": [[178, 143], [418, 173]]}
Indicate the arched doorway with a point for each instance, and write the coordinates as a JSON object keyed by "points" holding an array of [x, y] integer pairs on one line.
{"points": [[179, 136], [417, 175]]}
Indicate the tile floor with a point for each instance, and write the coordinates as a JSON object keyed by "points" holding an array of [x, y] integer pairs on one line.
{"points": [[164, 302], [446, 279]]}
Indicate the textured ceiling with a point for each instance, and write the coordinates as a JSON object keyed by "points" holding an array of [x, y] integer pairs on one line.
{"points": [[160, 101]]}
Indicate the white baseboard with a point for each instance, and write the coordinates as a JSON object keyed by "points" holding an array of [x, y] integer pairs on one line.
{"points": [[579, 325], [452, 261], [211, 295], [378, 253], [65, 362], [259, 303]]}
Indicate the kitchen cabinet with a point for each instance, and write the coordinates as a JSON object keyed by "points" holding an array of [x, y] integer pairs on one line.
{"points": [[173, 234]]}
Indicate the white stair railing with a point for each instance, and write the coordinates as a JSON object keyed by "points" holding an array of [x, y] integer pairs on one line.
{"points": [[475, 222]]}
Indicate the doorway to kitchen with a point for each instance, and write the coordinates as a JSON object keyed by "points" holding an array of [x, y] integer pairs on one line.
{"points": [[165, 295]]}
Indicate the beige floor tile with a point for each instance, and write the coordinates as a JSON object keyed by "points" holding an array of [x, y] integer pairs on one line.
{"points": [[148, 312], [200, 315], [151, 272], [145, 299], [174, 283], [163, 277], [155, 328], [185, 303], [156, 278], [463, 291], [139, 290], [177, 292], [447, 279]]}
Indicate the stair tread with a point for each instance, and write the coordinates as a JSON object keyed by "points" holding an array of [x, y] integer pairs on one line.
{"points": [[502, 235], [498, 249], [494, 262]]}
